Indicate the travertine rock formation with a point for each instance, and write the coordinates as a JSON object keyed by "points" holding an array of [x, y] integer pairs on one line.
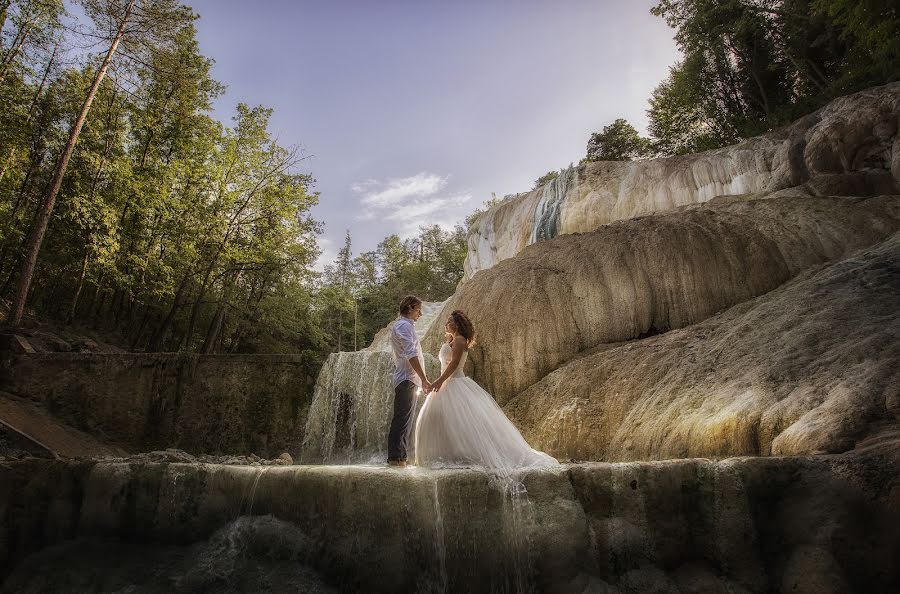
{"points": [[849, 147], [648, 275], [809, 367], [816, 524]]}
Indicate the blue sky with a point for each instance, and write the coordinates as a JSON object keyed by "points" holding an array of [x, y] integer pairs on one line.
{"points": [[414, 112]]}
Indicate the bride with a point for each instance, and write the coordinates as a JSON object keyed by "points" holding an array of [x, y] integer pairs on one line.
{"points": [[461, 424]]}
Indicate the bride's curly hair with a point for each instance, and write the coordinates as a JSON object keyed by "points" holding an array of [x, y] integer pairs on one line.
{"points": [[464, 326]]}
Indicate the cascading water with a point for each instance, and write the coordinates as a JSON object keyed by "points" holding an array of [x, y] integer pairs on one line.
{"points": [[439, 540], [351, 411], [546, 214], [353, 401]]}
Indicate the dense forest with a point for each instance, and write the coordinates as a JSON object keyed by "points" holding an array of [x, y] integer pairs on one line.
{"points": [[125, 208], [128, 210]]}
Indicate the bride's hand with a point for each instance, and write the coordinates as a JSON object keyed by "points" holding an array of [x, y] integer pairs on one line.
{"points": [[436, 386]]}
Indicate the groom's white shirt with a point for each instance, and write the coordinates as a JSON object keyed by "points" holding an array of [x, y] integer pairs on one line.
{"points": [[406, 345]]}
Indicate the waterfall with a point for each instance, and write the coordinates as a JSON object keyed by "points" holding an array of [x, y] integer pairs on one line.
{"points": [[546, 214], [354, 398]]}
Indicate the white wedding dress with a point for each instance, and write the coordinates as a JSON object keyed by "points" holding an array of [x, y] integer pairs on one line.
{"points": [[462, 425]]}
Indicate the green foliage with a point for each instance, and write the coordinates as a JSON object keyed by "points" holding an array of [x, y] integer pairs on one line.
{"points": [[678, 123], [545, 179], [171, 230], [618, 141], [360, 295], [753, 65], [870, 33]]}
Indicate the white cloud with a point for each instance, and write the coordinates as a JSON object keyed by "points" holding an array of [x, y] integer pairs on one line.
{"points": [[364, 186], [445, 212], [397, 191], [402, 205], [422, 210]]}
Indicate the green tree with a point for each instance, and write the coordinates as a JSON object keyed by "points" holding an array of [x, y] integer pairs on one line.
{"points": [[144, 23], [752, 65], [545, 179], [618, 141], [169, 230], [870, 33], [678, 123]]}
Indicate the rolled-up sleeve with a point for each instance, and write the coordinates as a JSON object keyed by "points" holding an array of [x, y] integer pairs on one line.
{"points": [[405, 334]]}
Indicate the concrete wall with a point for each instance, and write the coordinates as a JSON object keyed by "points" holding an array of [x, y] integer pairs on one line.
{"points": [[238, 404]]}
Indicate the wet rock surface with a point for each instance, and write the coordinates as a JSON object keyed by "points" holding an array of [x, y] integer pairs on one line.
{"points": [[172, 455], [737, 525]]}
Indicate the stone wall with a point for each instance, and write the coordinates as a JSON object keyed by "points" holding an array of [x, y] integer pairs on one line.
{"points": [[228, 404]]}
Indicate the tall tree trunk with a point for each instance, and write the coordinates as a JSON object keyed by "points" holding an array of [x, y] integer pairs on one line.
{"points": [[215, 328], [18, 42], [36, 237], [97, 284], [104, 294], [40, 89], [195, 310], [36, 156], [4, 10], [84, 265], [156, 339]]}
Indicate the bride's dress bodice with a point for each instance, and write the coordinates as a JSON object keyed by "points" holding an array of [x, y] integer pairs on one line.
{"points": [[445, 355]]}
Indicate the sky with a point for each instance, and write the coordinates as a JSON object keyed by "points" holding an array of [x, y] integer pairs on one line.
{"points": [[415, 112]]}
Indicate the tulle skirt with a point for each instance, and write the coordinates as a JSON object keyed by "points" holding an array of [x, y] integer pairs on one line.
{"points": [[462, 425]]}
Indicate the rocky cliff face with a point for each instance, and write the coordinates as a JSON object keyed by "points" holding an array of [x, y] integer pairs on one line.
{"points": [[576, 279], [808, 367], [849, 147], [648, 275]]}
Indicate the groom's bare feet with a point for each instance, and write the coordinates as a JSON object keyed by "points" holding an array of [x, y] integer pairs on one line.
{"points": [[400, 463]]}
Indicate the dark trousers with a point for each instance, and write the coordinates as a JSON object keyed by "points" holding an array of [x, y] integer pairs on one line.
{"points": [[401, 424]]}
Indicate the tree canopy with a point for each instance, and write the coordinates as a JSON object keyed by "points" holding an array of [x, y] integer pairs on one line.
{"points": [[750, 66], [618, 141], [171, 230]]}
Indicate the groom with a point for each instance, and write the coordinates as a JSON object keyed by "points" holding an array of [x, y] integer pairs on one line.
{"points": [[409, 376]]}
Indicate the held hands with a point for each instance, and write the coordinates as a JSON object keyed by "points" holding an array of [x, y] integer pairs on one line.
{"points": [[437, 385], [426, 387]]}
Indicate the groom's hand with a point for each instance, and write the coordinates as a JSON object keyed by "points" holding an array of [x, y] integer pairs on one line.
{"points": [[426, 387]]}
